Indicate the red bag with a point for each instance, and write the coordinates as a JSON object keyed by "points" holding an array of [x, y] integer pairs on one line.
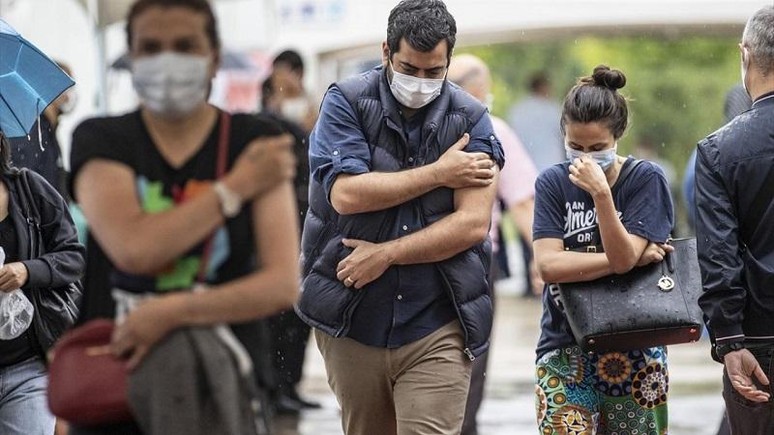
{"points": [[86, 383]]}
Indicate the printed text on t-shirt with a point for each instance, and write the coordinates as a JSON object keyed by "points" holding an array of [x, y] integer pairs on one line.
{"points": [[579, 221]]}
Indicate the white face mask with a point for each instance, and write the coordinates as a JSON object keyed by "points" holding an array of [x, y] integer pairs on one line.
{"points": [[295, 109], [171, 84], [414, 92], [604, 158]]}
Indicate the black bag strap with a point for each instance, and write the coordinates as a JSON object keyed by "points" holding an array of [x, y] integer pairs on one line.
{"points": [[31, 212], [31, 215], [221, 164], [626, 170]]}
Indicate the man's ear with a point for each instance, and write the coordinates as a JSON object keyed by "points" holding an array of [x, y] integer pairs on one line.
{"points": [[745, 52], [385, 53]]}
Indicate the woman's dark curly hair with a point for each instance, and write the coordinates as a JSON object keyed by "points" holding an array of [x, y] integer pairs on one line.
{"points": [[596, 99]]}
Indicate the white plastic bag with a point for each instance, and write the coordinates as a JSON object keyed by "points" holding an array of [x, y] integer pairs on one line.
{"points": [[15, 311]]}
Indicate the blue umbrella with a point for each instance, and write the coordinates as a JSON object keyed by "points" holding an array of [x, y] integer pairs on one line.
{"points": [[29, 81]]}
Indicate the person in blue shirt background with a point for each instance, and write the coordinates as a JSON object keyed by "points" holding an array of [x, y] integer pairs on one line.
{"points": [[736, 102]]}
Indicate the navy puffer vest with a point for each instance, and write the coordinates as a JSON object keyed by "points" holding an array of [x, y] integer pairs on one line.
{"points": [[325, 302]]}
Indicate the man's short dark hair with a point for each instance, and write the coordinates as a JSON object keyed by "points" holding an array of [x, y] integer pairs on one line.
{"points": [[291, 58], [200, 6], [538, 81], [424, 24]]}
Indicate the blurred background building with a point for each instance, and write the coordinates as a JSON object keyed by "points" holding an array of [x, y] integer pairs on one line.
{"points": [[680, 55]]}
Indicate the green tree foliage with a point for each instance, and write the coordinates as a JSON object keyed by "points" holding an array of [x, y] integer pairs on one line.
{"points": [[676, 87]]}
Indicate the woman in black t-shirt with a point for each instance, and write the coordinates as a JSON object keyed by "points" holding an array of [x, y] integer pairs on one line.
{"points": [[179, 196]]}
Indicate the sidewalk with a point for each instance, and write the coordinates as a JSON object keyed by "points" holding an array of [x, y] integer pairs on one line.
{"points": [[695, 381]]}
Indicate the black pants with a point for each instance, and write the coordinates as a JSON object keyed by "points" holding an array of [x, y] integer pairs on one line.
{"points": [[478, 375], [118, 429], [289, 336], [475, 395], [745, 417]]}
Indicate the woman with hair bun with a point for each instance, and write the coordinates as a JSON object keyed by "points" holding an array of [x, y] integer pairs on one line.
{"points": [[589, 224]]}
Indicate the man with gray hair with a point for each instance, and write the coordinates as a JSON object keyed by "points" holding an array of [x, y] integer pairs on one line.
{"points": [[735, 208], [515, 189]]}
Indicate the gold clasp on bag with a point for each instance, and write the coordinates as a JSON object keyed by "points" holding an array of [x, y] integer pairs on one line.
{"points": [[666, 283]]}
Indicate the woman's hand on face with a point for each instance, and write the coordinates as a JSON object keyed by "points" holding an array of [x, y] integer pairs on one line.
{"points": [[145, 326], [588, 175], [13, 276], [654, 253]]}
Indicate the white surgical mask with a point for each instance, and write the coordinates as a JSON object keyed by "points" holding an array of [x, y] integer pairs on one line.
{"points": [[171, 84], [414, 92], [604, 158], [295, 109]]}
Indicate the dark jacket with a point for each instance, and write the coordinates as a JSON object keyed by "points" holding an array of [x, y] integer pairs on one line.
{"points": [[735, 211], [55, 263], [190, 383], [325, 302]]}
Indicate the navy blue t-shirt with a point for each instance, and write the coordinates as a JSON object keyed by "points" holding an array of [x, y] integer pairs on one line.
{"points": [[565, 211]]}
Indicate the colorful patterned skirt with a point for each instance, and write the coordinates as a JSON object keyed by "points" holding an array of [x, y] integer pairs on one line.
{"points": [[616, 393]]}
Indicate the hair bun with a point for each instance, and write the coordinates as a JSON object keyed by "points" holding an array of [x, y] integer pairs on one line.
{"points": [[608, 78]]}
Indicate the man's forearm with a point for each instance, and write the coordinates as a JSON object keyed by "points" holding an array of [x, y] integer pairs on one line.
{"points": [[375, 191], [452, 234], [441, 240]]}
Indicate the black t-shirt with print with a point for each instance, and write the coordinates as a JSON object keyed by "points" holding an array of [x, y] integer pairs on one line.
{"points": [[125, 139]]}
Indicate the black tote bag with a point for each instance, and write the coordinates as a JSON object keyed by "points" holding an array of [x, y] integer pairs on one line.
{"points": [[649, 306]]}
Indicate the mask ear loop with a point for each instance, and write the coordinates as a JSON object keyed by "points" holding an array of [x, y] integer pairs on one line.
{"points": [[391, 75]]}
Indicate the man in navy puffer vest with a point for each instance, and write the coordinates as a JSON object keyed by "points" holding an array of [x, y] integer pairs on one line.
{"points": [[404, 167]]}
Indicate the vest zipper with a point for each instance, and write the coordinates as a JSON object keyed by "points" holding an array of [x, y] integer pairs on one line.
{"points": [[466, 350]]}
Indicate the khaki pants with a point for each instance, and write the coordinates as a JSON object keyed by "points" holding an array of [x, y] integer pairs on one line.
{"points": [[416, 389]]}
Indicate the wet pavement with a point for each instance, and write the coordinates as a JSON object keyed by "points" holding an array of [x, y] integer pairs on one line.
{"points": [[695, 403]]}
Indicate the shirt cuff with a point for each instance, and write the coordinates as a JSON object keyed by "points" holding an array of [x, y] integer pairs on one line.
{"points": [[38, 274], [728, 334]]}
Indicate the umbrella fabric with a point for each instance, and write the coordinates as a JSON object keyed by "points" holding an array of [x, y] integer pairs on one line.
{"points": [[29, 81]]}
